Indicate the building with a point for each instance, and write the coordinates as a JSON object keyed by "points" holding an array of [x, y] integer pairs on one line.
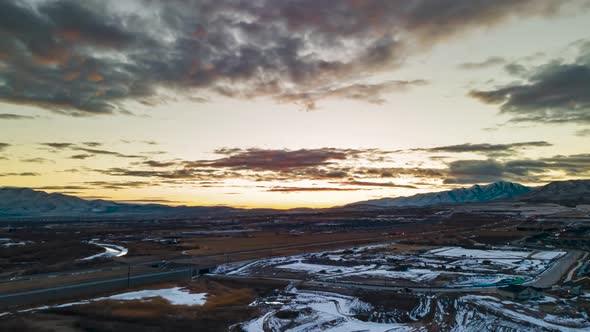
{"points": [[521, 293]]}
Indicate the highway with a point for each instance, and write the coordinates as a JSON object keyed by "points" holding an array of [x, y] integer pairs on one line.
{"points": [[27, 290], [189, 259], [344, 284], [553, 274]]}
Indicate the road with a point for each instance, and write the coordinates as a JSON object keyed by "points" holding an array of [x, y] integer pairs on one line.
{"points": [[191, 259], [89, 288], [572, 271], [357, 285], [59, 285], [114, 271], [554, 273]]}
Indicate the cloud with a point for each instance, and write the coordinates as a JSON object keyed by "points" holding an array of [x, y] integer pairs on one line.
{"points": [[155, 163], [346, 169], [3, 146], [371, 93], [119, 185], [9, 116], [36, 160], [61, 188], [556, 92], [149, 201], [487, 148], [308, 189], [107, 152], [474, 171], [92, 144], [276, 160], [377, 184], [20, 174], [82, 156], [489, 62], [583, 132], [88, 151], [519, 170], [84, 58], [58, 146]]}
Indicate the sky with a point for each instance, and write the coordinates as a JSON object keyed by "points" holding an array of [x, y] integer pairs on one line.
{"points": [[291, 103]]}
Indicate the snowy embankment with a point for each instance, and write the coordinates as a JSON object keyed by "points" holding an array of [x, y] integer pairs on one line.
{"points": [[111, 250], [174, 295], [317, 311], [7, 243], [528, 317]]}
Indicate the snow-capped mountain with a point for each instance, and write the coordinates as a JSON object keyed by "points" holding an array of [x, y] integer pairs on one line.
{"points": [[26, 202], [476, 193], [570, 193]]}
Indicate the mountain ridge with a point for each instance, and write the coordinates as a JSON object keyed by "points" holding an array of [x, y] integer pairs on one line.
{"points": [[476, 193], [29, 203]]}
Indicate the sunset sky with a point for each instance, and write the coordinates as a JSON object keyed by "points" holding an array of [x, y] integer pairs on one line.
{"points": [[288, 103]]}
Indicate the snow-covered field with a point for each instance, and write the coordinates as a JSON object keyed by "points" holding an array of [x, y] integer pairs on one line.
{"points": [[529, 317], [294, 310], [477, 253], [174, 295], [317, 311], [7, 243], [447, 266]]}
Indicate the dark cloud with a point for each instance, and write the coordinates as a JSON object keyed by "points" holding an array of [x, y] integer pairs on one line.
{"points": [[307, 189], [61, 188], [149, 201], [489, 62], [377, 184], [518, 170], [276, 160], [106, 152], [58, 146], [20, 174], [583, 132], [88, 151], [3, 146], [350, 168], [188, 174], [556, 92], [118, 185], [474, 171], [92, 144], [90, 57], [35, 160], [155, 163], [82, 156], [515, 69], [9, 116], [487, 148], [255, 165]]}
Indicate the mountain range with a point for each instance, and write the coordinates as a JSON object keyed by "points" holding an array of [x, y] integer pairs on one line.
{"points": [[29, 203], [476, 193], [26, 202]]}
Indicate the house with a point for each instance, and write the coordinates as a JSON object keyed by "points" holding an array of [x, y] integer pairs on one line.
{"points": [[522, 293]]}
